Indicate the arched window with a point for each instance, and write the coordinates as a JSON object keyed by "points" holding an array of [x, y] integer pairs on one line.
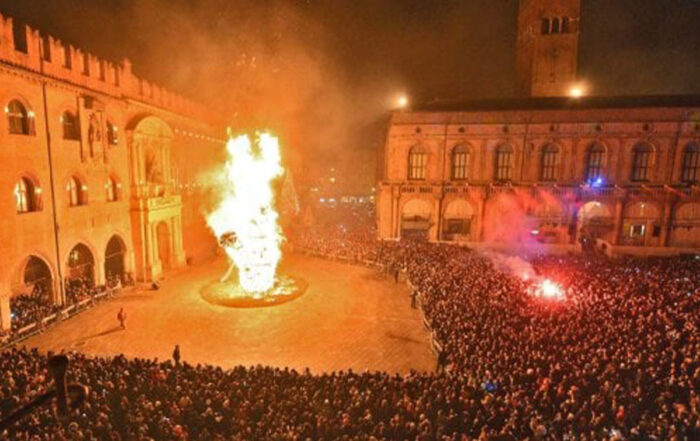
{"points": [[27, 196], [460, 162], [555, 26], [504, 162], [77, 192], [565, 25], [594, 162], [641, 162], [18, 118], [550, 160], [112, 186], [112, 134], [545, 26], [690, 173], [417, 163], [71, 130]]}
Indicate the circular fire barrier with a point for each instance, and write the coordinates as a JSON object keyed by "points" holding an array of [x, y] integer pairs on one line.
{"points": [[230, 294]]}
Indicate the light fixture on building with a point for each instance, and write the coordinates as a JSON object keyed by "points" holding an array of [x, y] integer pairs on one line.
{"points": [[576, 91], [402, 101]]}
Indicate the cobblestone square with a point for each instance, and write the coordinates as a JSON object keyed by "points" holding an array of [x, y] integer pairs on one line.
{"points": [[350, 317]]}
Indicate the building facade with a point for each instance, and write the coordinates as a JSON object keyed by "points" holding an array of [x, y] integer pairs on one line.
{"points": [[99, 169], [550, 171]]}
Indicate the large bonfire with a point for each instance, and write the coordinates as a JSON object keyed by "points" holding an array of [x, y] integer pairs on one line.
{"points": [[245, 220]]}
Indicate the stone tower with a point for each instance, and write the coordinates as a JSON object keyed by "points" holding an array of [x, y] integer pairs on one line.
{"points": [[547, 46]]}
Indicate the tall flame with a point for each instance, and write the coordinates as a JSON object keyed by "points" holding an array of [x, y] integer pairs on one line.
{"points": [[245, 221]]}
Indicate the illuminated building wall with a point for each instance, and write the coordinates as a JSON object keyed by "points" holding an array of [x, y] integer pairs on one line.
{"points": [[552, 172], [98, 165]]}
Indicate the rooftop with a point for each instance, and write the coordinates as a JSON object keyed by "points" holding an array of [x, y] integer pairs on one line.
{"points": [[559, 103]]}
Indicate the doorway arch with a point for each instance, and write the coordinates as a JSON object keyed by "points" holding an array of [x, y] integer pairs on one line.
{"points": [[164, 239], [114, 258], [81, 264], [36, 277], [416, 219], [457, 220]]}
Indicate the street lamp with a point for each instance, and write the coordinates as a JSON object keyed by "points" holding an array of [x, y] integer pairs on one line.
{"points": [[402, 101]]}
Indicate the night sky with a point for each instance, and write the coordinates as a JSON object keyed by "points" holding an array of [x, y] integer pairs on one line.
{"points": [[321, 72]]}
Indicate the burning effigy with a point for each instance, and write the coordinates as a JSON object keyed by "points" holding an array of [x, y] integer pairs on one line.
{"points": [[246, 224]]}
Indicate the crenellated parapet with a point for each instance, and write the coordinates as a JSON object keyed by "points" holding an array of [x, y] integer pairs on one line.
{"points": [[29, 49]]}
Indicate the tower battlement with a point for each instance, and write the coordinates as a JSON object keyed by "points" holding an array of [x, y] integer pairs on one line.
{"points": [[24, 47]]}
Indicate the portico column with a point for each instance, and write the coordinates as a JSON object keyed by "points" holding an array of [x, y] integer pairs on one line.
{"points": [[433, 233], [395, 214], [396, 218], [617, 222], [178, 251], [480, 220], [5, 313], [665, 224]]}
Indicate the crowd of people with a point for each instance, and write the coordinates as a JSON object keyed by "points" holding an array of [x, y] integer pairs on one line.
{"points": [[31, 307], [34, 307], [616, 358]]}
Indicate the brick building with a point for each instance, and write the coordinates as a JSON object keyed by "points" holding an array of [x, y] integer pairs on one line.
{"points": [[98, 169], [551, 170]]}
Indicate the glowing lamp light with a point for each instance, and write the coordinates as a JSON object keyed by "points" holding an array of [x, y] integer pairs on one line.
{"points": [[597, 183], [402, 101], [576, 92]]}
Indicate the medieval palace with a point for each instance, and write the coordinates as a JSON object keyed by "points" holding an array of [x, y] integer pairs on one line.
{"points": [[552, 171], [98, 170]]}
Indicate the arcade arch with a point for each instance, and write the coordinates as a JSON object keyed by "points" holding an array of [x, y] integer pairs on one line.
{"points": [[81, 265], [416, 218], [641, 224], [115, 255], [685, 229], [458, 220], [595, 221]]}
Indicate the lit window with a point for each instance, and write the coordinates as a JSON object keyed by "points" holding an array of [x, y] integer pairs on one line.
{"points": [[77, 192], [112, 134], [19, 119], [641, 162], [555, 26], [550, 158], [565, 25], [504, 163], [26, 196], [112, 187], [545, 26], [417, 164], [690, 172], [460, 163], [71, 129], [594, 163]]}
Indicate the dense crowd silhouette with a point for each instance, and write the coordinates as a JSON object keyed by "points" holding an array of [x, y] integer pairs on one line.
{"points": [[618, 358]]}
